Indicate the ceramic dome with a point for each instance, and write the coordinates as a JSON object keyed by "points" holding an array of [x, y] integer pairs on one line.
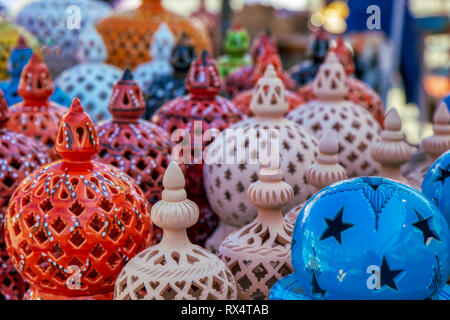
{"points": [[356, 127], [48, 21], [232, 167], [367, 238], [91, 80]]}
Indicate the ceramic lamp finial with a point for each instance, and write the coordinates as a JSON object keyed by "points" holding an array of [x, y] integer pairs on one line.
{"points": [[21, 43], [392, 151], [36, 84], [174, 211], [269, 96], [330, 82], [127, 75], [439, 142], [203, 79], [326, 170], [77, 140]]}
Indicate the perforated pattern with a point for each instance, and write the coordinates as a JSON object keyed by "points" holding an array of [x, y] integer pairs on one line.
{"points": [[355, 127], [92, 83], [359, 93], [258, 256], [39, 123], [96, 219], [226, 184], [193, 274]]}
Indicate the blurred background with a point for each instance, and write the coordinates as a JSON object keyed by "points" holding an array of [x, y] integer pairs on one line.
{"points": [[407, 60]]}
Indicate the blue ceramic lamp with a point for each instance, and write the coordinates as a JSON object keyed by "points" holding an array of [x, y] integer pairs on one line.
{"points": [[367, 238]]}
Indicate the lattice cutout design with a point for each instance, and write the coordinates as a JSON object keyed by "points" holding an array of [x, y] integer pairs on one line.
{"points": [[39, 123], [243, 99], [359, 93], [92, 83], [258, 255], [182, 112], [355, 127], [128, 37], [226, 184], [96, 219], [190, 273], [43, 19]]}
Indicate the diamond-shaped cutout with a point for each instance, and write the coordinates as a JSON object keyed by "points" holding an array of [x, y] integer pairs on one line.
{"points": [[40, 236], [58, 225], [106, 205], [43, 264], [30, 220], [57, 251], [260, 271], [97, 251], [126, 217], [114, 233], [168, 293], [46, 205], [244, 282], [113, 260], [140, 292], [77, 239], [93, 275], [96, 223], [195, 290], [77, 208]]}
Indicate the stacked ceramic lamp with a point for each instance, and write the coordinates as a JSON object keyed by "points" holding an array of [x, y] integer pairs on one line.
{"points": [[36, 116], [135, 146], [57, 24], [175, 268], [128, 35], [228, 177], [72, 225], [19, 156], [91, 80], [355, 127]]}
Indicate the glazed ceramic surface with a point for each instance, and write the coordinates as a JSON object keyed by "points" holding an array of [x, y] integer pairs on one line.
{"points": [[48, 20], [128, 35], [72, 225], [175, 269], [91, 80], [368, 238]]}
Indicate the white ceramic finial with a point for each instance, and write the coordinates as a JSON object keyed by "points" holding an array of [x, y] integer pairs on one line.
{"points": [[162, 43], [392, 151], [327, 169], [269, 97], [330, 82], [439, 142]]}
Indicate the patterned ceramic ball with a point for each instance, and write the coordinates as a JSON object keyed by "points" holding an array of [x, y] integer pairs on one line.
{"points": [[368, 238], [436, 184], [355, 126]]}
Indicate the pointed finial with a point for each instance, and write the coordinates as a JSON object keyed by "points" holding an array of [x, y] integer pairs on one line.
{"points": [[205, 56], [76, 106], [174, 212], [36, 84], [326, 170], [269, 97], [330, 82], [439, 142], [270, 191], [21, 43], [392, 151], [127, 75], [345, 55]]}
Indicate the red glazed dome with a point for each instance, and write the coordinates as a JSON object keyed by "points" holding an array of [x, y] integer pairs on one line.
{"points": [[358, 92], [201, 109], [72, 225], [135, 146], [268, 57], [36, 116], [19, 156]]}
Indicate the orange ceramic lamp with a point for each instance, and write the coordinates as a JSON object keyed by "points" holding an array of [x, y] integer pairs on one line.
{"points": [[72, 225], [128, 35], [36, 116], [19, 156], [135, 146], [358, 92]]}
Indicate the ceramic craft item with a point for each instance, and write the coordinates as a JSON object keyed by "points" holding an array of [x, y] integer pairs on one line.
{"points": [[324, 172], [355, 127], [163, 42], [340, 249], [36, 116], [211, 23], [128, 35], [259, 254], [72, 225], [91, 80], [58, 24], [232, 159], [175, 269], [19, 156]]}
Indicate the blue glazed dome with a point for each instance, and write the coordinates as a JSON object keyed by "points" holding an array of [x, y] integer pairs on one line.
{"points": [[368, 238], [436, 184]]}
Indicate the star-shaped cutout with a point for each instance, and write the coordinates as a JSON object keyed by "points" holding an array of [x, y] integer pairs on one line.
{"points": [[444, 174], [336, 227], [424, 226], [316, 289], [387, 275]]}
